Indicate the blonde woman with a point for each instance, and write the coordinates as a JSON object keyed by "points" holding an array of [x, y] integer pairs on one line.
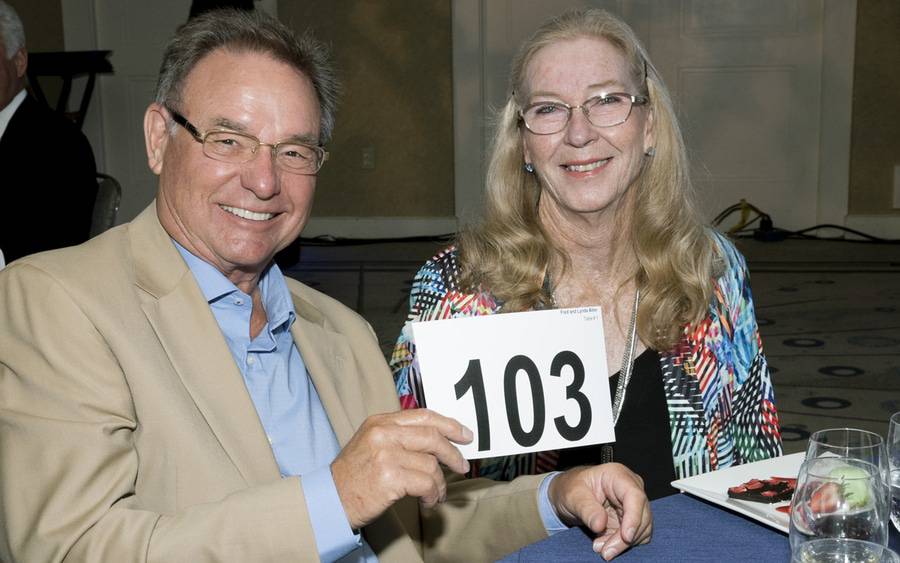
{"points": [[589, 202]]}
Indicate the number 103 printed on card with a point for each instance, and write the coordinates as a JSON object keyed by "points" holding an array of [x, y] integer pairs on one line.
{"points": [[522, 382]]}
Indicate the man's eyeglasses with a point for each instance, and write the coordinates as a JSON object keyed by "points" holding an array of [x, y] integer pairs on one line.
{"points": [[238, 148], [606, 110]]}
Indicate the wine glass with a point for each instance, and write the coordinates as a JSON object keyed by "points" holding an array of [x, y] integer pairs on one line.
{"points": [[841, 500], [852, 443], [894, 462]]}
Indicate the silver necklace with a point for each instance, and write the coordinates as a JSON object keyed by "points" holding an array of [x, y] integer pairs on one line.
{"points": [[606, 450]]}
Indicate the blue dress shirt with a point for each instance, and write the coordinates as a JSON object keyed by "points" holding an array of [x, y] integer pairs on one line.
{"points": [[286, 401], [288, 405]]}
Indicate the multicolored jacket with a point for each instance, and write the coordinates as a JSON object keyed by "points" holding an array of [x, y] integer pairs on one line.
{"points": [[718, 389]]}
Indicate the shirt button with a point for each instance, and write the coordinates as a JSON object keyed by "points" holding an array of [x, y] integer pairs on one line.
{"points": [[238, 301], [251, 360]]}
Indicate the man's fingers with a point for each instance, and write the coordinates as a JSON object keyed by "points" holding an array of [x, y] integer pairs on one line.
{"points": [[450, 428], [588, 510], [635, 519], [423, 479], [426, 431], [395, 455], [613, 544], [634, 510], [428, 439], [609, 499], [600, 541]]}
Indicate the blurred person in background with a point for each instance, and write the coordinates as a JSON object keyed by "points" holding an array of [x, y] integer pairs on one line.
{"points": [[48, 178]]}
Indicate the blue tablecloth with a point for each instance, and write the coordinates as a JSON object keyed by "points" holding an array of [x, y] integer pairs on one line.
{"points": [[685, 528]]}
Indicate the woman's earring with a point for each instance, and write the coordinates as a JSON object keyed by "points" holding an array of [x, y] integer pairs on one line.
{"points": [[529, 168], [650, 152]]}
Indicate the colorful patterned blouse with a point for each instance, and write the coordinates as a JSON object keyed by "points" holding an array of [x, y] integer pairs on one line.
{"points": [[718, 390]]}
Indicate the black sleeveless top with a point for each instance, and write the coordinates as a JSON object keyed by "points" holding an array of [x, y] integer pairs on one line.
{"points": [[643, 436]]}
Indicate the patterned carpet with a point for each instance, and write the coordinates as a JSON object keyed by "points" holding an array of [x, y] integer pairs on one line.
{"points": [[829, 314]]}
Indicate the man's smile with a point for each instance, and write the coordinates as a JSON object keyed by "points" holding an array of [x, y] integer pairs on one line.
{"points": [[247, 214]]}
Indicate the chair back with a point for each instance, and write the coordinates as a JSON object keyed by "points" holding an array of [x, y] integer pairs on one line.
{"points": [[106, 207]]}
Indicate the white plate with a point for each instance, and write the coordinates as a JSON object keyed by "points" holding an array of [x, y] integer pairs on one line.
{"points": [[713, 486]]}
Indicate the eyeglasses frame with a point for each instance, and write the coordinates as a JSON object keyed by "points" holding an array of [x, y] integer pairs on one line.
{"points": [[201, 138], [636, 100]]}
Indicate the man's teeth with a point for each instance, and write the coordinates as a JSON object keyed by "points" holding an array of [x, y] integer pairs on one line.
{"points": [[246, 214], [586, 167]]}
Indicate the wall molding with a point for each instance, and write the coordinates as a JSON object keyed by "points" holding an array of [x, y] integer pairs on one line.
{"points": [[469, 143], [838, 44]]}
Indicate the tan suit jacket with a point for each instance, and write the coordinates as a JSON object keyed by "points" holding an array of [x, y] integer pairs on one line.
{"points": [[126, 432]]}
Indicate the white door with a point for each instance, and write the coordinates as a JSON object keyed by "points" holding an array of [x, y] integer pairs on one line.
{"points": [[747, 79], [136, 33]]}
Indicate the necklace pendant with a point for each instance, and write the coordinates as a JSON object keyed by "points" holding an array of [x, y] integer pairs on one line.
{"points": [[606, 453]]}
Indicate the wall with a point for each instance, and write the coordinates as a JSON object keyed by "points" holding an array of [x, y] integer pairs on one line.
{"points": [[398, 54], [394, 60], [43, 23], [875, 144]]}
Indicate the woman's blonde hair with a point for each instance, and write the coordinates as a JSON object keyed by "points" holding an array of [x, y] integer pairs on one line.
{"points": [[509, 250]]}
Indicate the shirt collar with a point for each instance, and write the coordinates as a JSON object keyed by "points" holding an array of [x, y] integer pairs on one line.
{"points": [[277, 298], [7, 112], [272, 286]]}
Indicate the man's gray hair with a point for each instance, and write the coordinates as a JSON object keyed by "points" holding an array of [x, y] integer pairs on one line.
{"points": [[251, 31], [11, 30]]}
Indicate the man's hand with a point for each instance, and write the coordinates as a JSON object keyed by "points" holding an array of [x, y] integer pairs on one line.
{"points": [[396, 455], [609, 499]]}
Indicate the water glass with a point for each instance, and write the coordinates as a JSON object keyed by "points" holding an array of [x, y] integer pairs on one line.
{"points": [[838, 498], [851, 443], [893, 448], [830, 550]]}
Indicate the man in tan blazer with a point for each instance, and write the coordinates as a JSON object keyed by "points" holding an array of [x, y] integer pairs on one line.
{"points": [[132, 430]]}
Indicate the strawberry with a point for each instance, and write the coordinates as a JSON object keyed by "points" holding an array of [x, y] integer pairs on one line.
{"points": [[825, 499]]}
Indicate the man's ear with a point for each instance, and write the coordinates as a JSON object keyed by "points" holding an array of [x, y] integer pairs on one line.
{"points": [[156, 136], [20, 60]]}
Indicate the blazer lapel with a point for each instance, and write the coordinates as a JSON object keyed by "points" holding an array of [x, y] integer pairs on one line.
{"points": [[329, 360], [188, 332], [330, 364]]}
